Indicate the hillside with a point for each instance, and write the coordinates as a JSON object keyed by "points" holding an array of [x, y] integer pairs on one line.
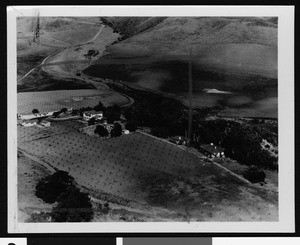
{"points": [[247, 45], [238, 55]]}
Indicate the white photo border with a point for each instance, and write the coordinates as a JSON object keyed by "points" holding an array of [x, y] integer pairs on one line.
{"points": [[286, 223]]}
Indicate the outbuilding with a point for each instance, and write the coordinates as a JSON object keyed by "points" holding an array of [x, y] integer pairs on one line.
{"points": [[212, 150], [179, 140]]}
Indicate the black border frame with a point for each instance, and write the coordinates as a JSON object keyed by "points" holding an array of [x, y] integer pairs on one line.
{"points": [[3, 123]]}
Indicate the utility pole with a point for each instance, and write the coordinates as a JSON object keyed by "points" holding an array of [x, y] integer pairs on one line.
{"points": [[190, 99], [37, 28]]}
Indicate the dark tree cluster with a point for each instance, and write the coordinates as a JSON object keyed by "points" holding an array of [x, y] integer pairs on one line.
{"points": [[35, 111], [101, 131], [50, 187], [254, 175], [241, 141], [164, 116], [112, 113], [72, 204], [116, 131], [131, 126]]}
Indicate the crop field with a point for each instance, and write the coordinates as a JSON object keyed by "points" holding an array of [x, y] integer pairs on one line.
{"points": [[146, 170], [55, 100]]}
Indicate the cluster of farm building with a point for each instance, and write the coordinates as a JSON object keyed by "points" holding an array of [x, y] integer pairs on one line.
{"points": [[97, 124], [93, 119]]}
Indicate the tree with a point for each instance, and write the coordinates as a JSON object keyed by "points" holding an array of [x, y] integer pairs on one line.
{"points": [[73, 206], [116, 131], [50, 187], [75, 112], [56, 113], [92, 121], [101, 131], [113, 114], [100, 107], [131, 126], [35, 111], [254, 175], [63, 110]]}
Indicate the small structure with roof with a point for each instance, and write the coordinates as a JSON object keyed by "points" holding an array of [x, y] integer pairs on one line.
{"points": [[46, 123], [87, 115], [29, 123], [179, 140], [212, 150]]}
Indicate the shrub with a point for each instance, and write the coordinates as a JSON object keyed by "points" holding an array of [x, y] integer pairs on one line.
{"points": [[50, 187], [35, 111], [131, 126], [75, 112], [92, 121], [73, 206], [56, 113], [254, 175], [113, 114], [101, 131], [100, 107], [63, 110]]}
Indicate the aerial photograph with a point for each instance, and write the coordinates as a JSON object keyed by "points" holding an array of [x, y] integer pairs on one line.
{"points": [[147, 119]]}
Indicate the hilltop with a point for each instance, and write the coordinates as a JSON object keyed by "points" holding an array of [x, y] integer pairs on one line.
{"points": [[245, 45]]}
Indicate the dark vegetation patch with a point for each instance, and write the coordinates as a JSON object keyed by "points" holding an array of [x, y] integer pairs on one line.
{"points": [[254, 175], [167, 117], [72, 204], [42, 81], [242, 141]]}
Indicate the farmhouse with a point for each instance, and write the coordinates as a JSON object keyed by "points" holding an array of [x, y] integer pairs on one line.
{"points": [[212, 150], [87, 115], [29, 124]]}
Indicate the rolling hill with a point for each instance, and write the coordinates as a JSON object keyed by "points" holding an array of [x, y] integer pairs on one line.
{"points": [[235, 54]]}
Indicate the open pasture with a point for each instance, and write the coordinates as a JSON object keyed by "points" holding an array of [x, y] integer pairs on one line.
{"points": [[35, 132], [55, 100], [152, 172]]}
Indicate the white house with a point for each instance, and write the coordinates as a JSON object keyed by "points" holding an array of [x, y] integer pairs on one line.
{"points": [[28, 124], [87, 115]]}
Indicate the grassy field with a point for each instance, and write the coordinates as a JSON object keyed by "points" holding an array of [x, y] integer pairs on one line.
{"points": [[29, 173], [56, 100], [151, 172]]}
